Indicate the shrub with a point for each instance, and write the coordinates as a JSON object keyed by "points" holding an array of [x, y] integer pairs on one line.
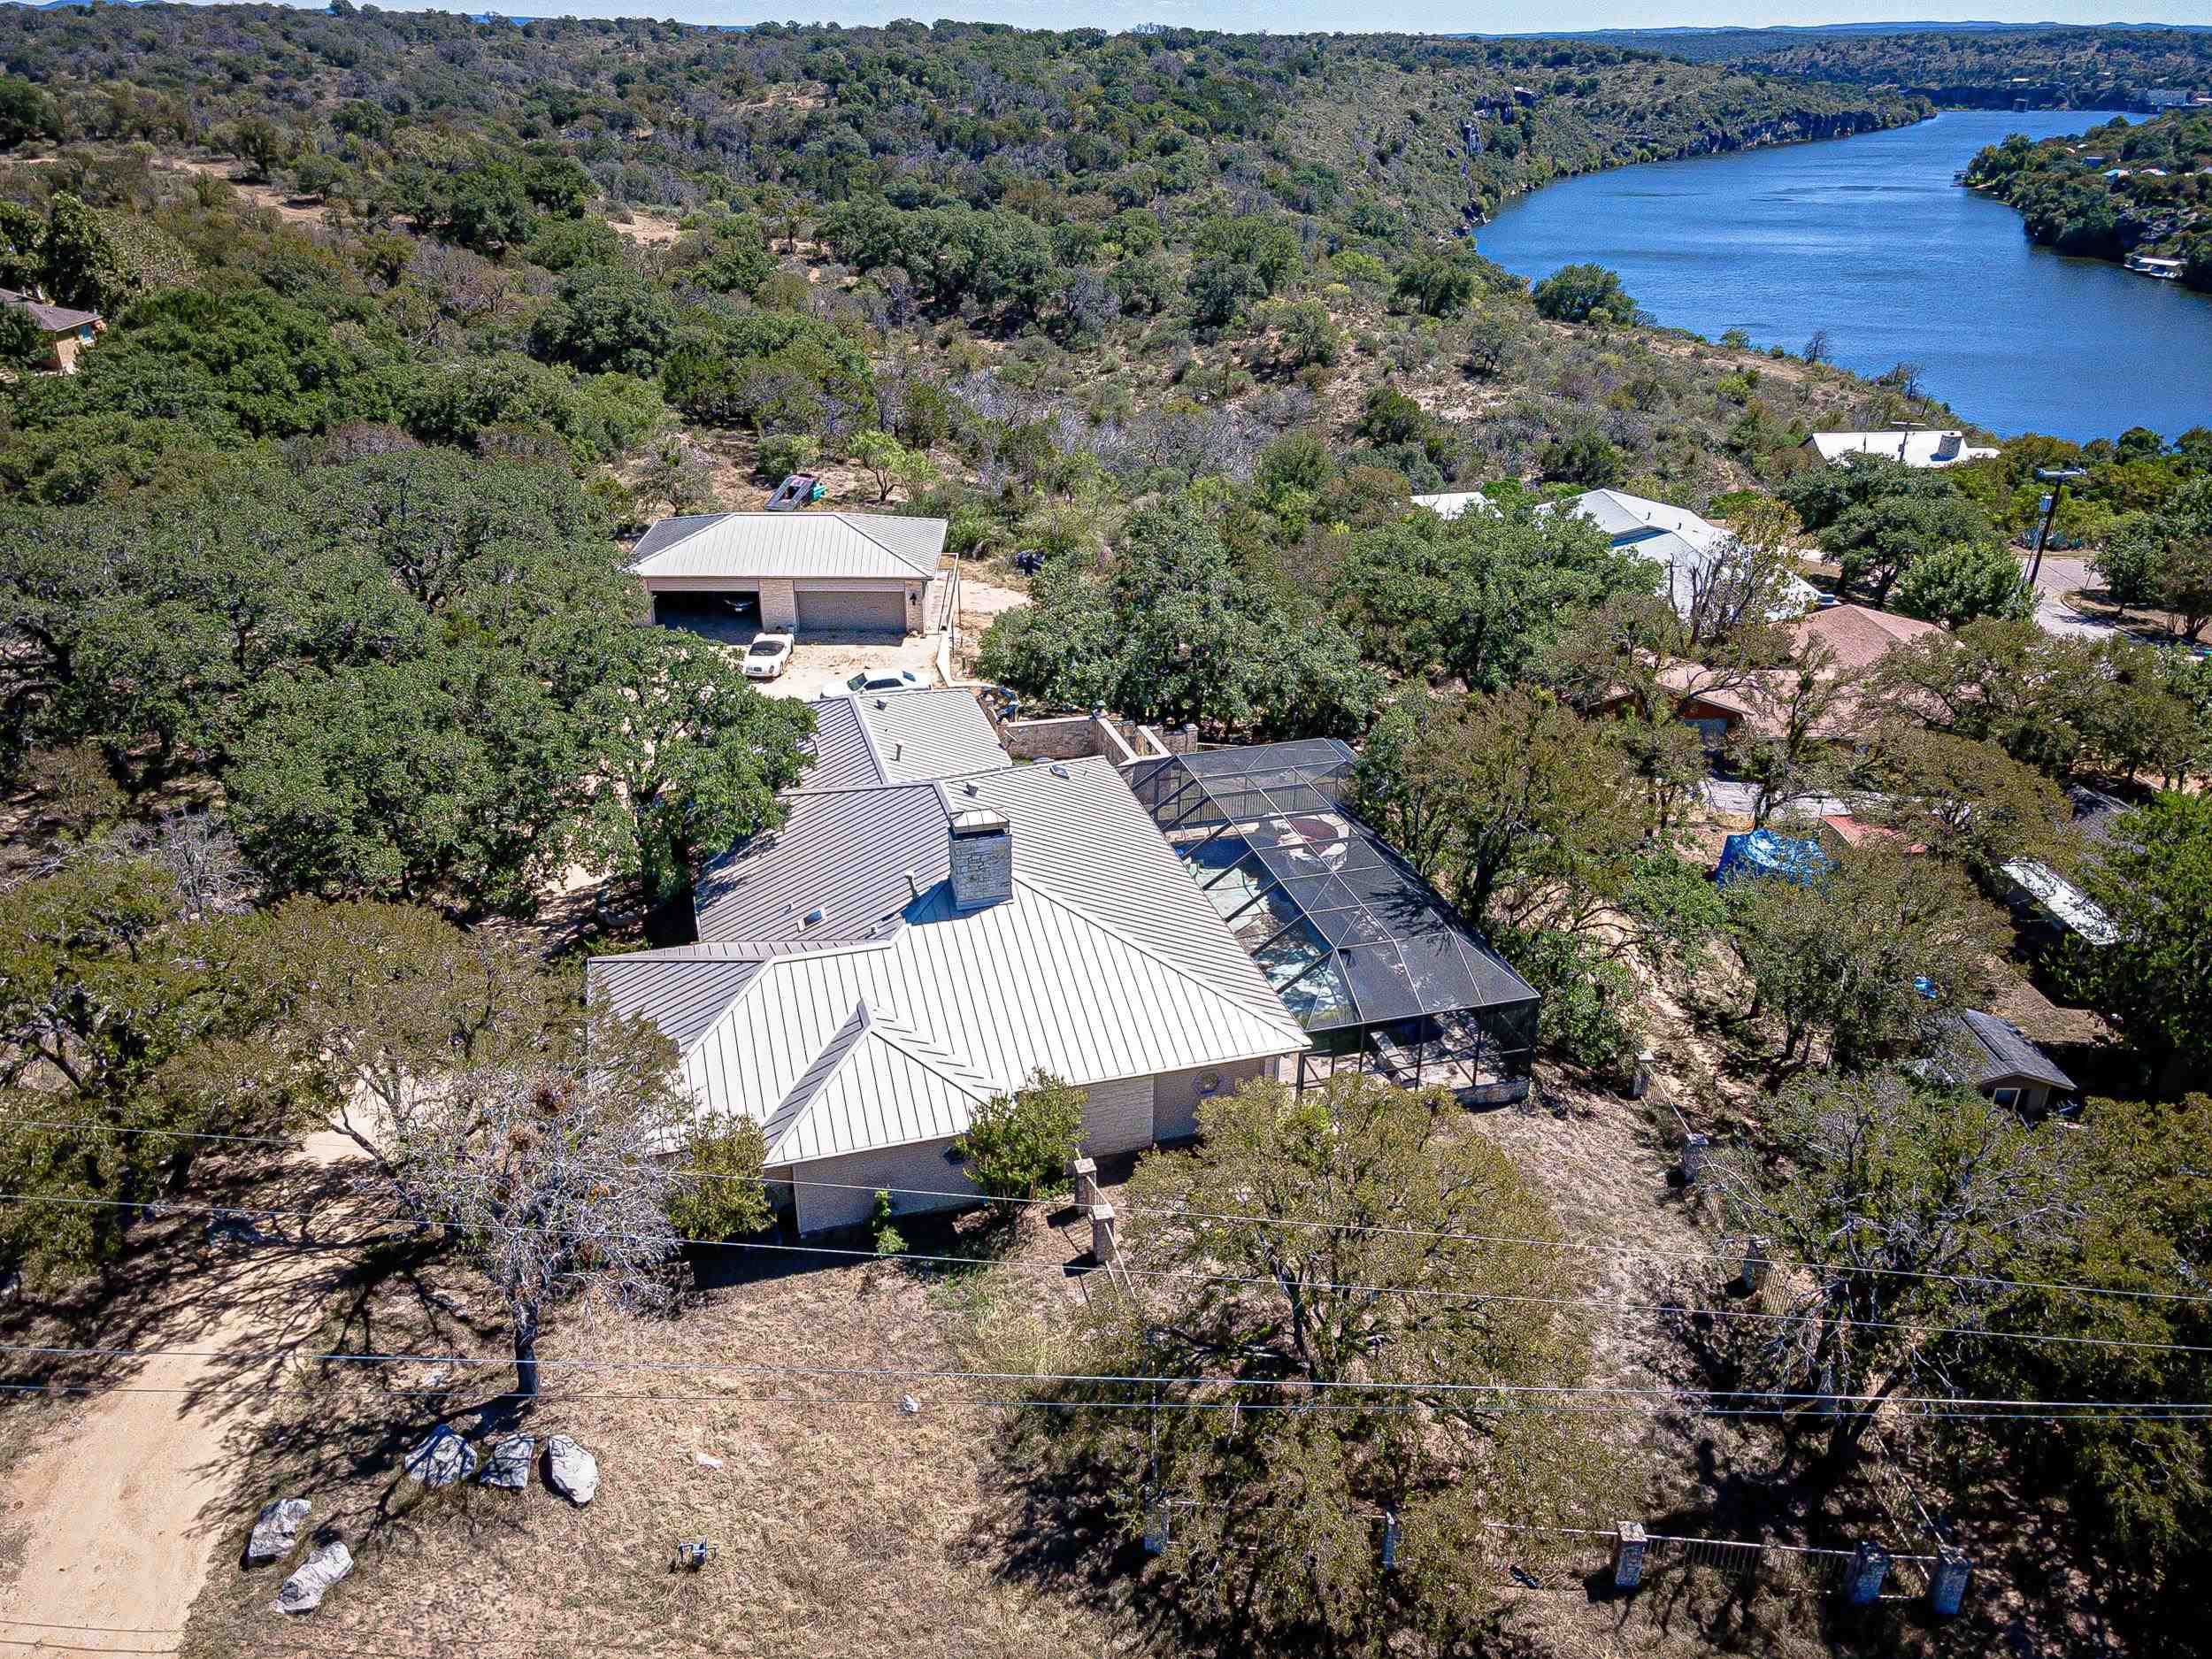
{"points": [[720, 1194], [1584, 294], [1019, 1146], [788, 452]]}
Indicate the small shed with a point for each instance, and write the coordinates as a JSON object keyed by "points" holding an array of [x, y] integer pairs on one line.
{"points": [[1998, 1058]]}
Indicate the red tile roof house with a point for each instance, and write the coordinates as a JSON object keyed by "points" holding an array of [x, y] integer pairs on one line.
{"points": [[1852, 639], [68, 332]]}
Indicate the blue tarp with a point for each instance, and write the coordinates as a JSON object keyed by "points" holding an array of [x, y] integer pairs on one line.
{"points": [[1764, 853]]}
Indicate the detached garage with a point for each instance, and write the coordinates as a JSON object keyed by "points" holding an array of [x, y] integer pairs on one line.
{"points": [[818, 575]]}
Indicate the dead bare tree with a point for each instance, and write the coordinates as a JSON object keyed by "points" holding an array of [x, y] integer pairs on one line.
{"points": [[555, 1180]]}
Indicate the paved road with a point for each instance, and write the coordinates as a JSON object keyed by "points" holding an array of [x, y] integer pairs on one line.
{"points": [[2059, 577]]}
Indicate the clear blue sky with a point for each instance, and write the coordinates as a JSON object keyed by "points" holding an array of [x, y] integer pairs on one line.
{"points": [[1501, 16]]}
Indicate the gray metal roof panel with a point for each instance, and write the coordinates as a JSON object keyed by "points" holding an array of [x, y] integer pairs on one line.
{"points": [[901, 737], [938, 732], [683, 997], [833, 545], [846, 852], [843, 756]]}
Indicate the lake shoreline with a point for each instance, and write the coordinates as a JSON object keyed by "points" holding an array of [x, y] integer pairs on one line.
{"points": [[1873, 242]]}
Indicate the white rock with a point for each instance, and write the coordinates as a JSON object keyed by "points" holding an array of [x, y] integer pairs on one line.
{"points": [[275, 1530], [705, 1461], [909, 1404], [571, 1471], [303, 1590], [443, 1459], [509, 1466]]}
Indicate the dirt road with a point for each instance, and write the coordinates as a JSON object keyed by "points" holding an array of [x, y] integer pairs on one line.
{"points": [[111, 1522]]}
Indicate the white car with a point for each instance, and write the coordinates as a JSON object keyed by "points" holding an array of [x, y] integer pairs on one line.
{"points": [[768, 655], [869, 681]]}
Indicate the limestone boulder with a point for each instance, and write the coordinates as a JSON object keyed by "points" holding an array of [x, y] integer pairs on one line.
{"points": [[508, 1467], [275, 1530], [324, 1566], [571, 1471], [444, 1460]]}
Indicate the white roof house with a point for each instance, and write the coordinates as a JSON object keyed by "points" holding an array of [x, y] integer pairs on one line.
{"points": [[1452, 503], [896, 953], [808, 572], [1679, 541], [1916, 447]]}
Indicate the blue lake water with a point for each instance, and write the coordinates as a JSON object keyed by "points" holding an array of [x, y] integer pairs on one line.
{"points": [[1868, 238]]}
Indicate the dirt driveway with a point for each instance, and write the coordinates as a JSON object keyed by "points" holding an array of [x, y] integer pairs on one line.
{"points": [[109, 1524]]}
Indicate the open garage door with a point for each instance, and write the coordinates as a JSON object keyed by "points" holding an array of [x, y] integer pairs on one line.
{"points": [[730, 617], [852, 611]]}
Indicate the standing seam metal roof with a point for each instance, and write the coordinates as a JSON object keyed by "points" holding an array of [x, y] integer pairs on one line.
{"points": [[901, 737], [837, 545], [1107, 963]]}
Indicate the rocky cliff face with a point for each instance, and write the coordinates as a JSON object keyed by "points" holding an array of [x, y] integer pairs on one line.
{"points": [[1792, 129]]}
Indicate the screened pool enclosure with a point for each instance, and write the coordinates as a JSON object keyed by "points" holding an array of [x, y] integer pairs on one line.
{"points": [[1381, 971]]}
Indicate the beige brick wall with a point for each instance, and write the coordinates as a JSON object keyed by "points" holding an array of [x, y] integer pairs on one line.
{"points": [[848, 1196], [1118, 1116], [777, 609]]}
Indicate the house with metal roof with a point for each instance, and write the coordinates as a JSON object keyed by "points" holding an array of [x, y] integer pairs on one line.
{"points": [[1916, 446], [901, 737], [67, 331], [853, 574], [1995, 1056], [895, 953], [1686, 548], [1381, 971]]}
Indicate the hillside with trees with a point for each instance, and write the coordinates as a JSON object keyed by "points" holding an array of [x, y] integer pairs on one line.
{"points": [[2124, 188], [1961, 66], [1365, 138]]}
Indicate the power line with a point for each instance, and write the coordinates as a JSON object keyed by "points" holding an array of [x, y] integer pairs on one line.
{"points": [[825, 1250], [972, 1196], [1127, 1380], [2119, 1411]]}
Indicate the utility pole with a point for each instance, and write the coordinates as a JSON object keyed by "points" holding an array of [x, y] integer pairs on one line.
{"points": [[2057, 478]]}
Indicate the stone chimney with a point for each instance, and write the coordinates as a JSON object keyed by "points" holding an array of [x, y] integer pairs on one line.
{"points": [[982, 859]]}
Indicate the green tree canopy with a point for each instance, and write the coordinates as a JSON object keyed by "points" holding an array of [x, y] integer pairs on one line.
{"points": [[1276, 1515]]}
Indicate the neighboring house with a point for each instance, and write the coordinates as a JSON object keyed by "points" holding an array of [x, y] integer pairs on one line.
{"points": [[1848, 639], [804, 573], [1915, 446], [1452, 504], [1681, 542], [901, 737], [2052, 909], [68, 332], [2000, 1061], [897, 953], [1856, 637]]}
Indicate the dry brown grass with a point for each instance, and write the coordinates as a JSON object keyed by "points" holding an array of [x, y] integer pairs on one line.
{"points": [[843, 1525]]}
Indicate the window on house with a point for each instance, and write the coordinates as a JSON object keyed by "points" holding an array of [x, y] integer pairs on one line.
{"points": [[2005, 1096]]}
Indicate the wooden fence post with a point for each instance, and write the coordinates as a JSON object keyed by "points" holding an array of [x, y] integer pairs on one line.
{"points": [[1085, 1173]]}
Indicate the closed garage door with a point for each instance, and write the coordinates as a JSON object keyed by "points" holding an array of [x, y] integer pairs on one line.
{"points": [[852, 611]]}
